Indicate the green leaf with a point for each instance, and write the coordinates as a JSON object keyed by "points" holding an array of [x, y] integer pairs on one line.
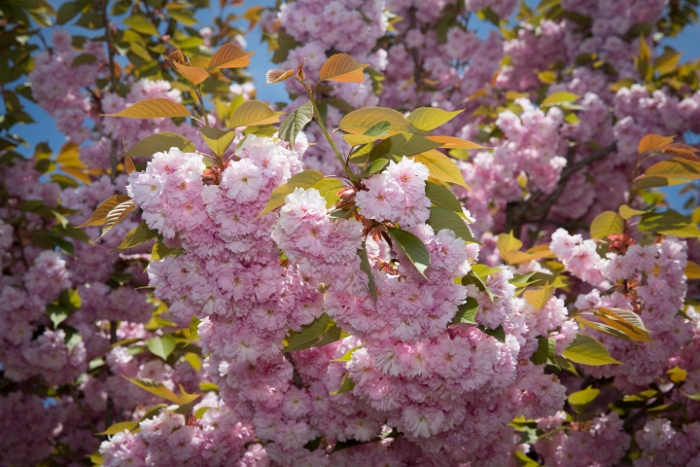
{"points": [[559, 98], [183, 16], [57, 314], [137, 236], [627, 212], [545, 351], [499, 333], [305, 179], [160, 142], [217, 140], [377, 131], [427, 119], [67, 12], [668, 223], [160, 251], [295, 122], [156, 388], [413, 248], [607, 223], [402, 144], [579, 400], [132, 427], [141, 23], [441, 167], [479, 275], [345, 386], [588, 351], [311, 335], [466, 313], [441, 197], [367, 269], [347, 356], [161, 346], [441, 218]]}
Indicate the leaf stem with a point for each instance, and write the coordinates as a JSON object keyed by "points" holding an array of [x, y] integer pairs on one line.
{"points": [[317, 115], [201, 104]]}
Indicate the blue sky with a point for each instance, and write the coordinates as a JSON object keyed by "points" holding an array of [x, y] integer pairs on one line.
{"points": [[45, 129]]}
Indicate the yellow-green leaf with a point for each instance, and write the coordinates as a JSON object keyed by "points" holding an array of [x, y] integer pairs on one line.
{"points": [[536, 252], [627, 212], [217, 140], [161, 346], [538, 298], [361, 120], [155, 107], [342, 68], [429, 118], [607, 223], [120, 427], [230, 56], [156, 388], [692, 270], [345, 386], [253, 113], [579, 400], [441, 167], [328, 188], [559, 98], [508, 242], [588, 351], [141, 23]]}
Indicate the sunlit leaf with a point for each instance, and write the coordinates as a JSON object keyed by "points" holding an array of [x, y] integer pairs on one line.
{"points": [[653, 142], [579, 400], [253, 113], [427, 119], [230, 56], [692, 270], [155, 107], [450, 142], [359, 121], [118, 213], [121, 427], [559, 98], [100, 215], [161, 346], [277, 76], [588, 351], [193, 74], [217, 140], [508, 242], [342, 68], [607, 223], [441, 167], [345, 386], [156, 388]]}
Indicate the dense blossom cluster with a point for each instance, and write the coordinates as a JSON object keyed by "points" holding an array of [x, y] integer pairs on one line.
{"points": [[348, 325]]}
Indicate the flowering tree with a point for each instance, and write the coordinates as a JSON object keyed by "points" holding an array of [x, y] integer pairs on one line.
{"points": [[445, 250]]}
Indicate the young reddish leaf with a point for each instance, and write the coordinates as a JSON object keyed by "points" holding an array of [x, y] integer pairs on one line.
{"points": [[653, 142], [116, 215], [342, 68], [129, 165], [277, 76], [100, 215], [155, 107], [193, 74], [230, 56]]}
